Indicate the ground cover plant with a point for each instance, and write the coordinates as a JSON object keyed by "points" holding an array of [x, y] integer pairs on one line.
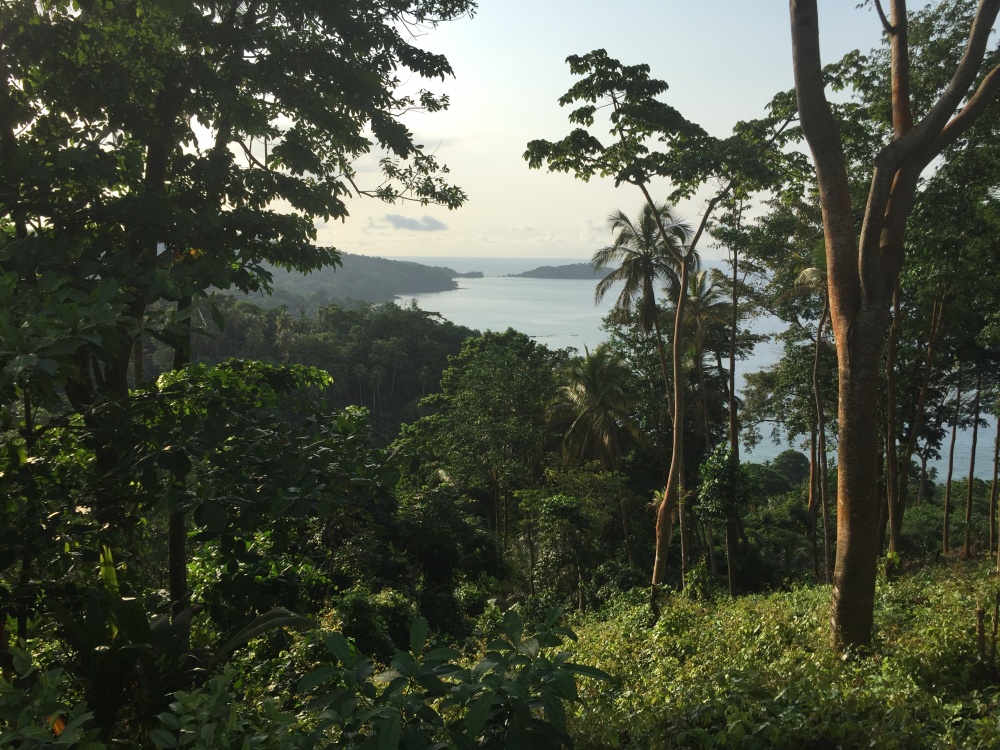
{"points": [[755, 672]]}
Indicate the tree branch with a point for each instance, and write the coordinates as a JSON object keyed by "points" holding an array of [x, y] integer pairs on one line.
{"points": [[988, 91], [889, 29], [926, 139], [823, 135], [902, 111], [251, 158], [934, 122]]}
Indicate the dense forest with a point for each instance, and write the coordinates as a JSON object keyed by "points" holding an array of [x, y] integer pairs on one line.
{"points": [[336, 522]]}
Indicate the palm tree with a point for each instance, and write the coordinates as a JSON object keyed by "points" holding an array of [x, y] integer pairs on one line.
{"points": [[596, 402], [643, 255], [656, 248], [706, 304]]}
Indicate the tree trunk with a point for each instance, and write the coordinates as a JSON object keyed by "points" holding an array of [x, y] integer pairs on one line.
{"points": [[712, 565], [177, 564], [625, 532], [177, 521], [967, 547], [945, 541], [661, 350], [672, 490], [994, 489], [829, 543], [883, 501], [922, 487], [812, 504], [862, 270], [892, 495], [821, 446], [897, 501], [734, 428], [859, 346], [6, 658], [682, 515], [138, 363], [732, 537], [674, 479]]}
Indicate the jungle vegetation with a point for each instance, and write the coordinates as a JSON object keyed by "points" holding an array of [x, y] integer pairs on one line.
{"points": [[354, 524]]}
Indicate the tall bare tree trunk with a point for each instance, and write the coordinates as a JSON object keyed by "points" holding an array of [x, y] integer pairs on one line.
{"points": [[661, 350], [945, 540], [625, 531], [893, 499], [734, 429], [922, 486], [994, 489], [967, 547], [899, 491], [177, 521], [675, 480], [812, 504], [821, 446]]}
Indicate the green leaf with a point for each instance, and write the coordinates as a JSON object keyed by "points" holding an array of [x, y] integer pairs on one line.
{"points": [[337, 645], [418, 636], [279, 617], [552, 616], [390, 732], [555, 712], [513, 625], [22, 662], [593, 672], [479, 712], [315, 678], [442, 654], [162, 738]]}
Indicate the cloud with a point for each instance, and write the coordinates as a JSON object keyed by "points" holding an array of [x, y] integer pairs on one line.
{"points": [[426, 224]]}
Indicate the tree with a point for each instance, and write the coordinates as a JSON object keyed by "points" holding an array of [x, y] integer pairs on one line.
{"points": [[595, 401], [151, 150], [863, 268], [643, 256], [749, 160], [706, 307], [487, 434], [155, 166]]}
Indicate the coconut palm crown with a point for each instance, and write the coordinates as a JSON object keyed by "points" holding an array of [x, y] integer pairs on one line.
{"points": [[595, 402], [643, 257]]}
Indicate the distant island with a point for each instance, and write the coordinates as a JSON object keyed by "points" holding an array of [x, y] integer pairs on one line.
{"points": [[570, 271], [362, 277]]}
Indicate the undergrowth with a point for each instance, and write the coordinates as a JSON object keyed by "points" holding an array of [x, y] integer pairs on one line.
{"points": [[758, 672]]}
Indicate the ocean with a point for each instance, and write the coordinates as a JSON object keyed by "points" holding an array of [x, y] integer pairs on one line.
{"points": [[561, 313]]}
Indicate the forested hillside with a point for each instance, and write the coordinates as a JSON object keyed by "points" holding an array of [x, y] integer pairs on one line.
{"points": [[359, 278], [353, 524], [569, 271], [381, 356]]}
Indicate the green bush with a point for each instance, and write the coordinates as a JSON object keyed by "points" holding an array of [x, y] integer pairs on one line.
{"points": [[36, 711], [756, 672], [377, 622], [513, 696]]}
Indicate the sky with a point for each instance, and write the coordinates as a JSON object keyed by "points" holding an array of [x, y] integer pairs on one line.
{"points": [[723, 61]]}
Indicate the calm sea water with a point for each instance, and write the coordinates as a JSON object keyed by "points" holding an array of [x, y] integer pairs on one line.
{"points": [[561, 313]]}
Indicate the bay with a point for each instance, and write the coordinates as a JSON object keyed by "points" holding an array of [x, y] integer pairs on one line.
{"points": [[561, 313]]}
